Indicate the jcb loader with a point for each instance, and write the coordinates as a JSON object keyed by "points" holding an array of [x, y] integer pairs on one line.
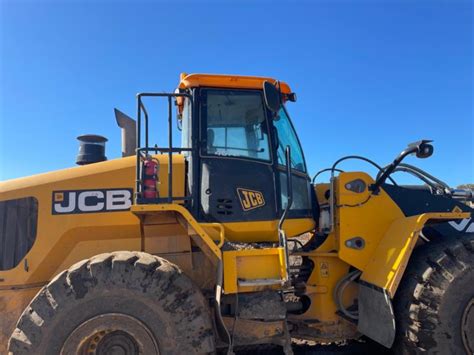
{"points": [[224, 241]]}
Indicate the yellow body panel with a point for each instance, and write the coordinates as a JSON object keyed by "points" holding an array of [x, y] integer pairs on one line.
{"points": [[328, 270], [320, 322], [247, 264], [369, 220], [144, 210], [389, 237], [252, 264], [65, 239], [249, 232], [390, 259]]}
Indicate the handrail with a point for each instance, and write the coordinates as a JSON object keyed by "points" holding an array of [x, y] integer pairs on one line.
{"points": [[289, 193], [141, 109], [221, 232]]}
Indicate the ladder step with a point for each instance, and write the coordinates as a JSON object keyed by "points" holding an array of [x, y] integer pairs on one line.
{"points": [[259, 282]]}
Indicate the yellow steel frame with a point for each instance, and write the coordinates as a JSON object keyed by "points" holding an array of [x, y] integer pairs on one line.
{"points": [[208, 243], [389, 236], [252, 264], [388, 263], [247, 264]]}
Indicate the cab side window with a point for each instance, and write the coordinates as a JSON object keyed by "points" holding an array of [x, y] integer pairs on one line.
{"points": [[300, 182], [287, 137]]}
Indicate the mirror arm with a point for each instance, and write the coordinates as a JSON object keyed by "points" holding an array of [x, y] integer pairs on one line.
{"points": [[422, 149], [277, 84], [375, 188]]}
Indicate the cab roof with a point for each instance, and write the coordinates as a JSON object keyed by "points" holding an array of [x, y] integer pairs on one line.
{"points": [[227, 81]]}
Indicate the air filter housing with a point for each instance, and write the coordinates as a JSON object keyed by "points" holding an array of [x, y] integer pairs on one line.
{"points": [[91, 149]]}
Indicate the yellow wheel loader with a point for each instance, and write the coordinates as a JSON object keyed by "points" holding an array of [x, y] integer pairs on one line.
{"points": [[224, 241]]}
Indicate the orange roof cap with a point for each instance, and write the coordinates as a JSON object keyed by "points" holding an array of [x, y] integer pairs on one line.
{"points": [[227, 81]]}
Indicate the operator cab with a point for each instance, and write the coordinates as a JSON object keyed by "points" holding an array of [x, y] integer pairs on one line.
{"points": [[236, 162]]}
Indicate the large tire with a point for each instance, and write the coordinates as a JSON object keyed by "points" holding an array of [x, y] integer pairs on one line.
{"points": [[434, 304], [121, 302]]}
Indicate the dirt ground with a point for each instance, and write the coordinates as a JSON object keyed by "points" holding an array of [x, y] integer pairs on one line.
{"points": [[308, 348]]}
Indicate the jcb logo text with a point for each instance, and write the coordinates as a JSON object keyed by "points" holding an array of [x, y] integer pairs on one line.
{"points": [[91, 201], [250, 199]]}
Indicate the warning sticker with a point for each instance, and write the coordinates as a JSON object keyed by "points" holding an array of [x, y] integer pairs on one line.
{"points": [[324, 269]]}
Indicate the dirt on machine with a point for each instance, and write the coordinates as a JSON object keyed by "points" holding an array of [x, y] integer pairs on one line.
{"points": [[220, 240]]}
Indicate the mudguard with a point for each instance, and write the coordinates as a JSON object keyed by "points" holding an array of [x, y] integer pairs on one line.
{"points": [[376, 318]]}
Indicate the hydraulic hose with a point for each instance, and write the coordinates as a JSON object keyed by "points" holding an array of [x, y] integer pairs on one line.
{"points": [[339, 292]]}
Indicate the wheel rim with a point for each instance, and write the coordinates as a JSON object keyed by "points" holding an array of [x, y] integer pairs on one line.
{"points": [[467, 327], [111, 334]]}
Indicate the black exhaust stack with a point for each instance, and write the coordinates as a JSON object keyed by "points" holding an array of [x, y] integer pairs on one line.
{"points": [[91, 149]]}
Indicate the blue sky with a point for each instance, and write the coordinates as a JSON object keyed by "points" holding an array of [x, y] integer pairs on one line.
{"points": [[371, 76]]}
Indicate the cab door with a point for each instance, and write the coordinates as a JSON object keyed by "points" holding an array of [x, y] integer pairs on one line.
{"points": [[237, 171]]}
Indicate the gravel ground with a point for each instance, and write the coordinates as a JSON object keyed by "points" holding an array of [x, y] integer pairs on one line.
{"points": [[310, 348]]}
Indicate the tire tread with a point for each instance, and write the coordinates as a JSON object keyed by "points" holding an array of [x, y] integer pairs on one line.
{"points": [[426, 279], [134, 270]]}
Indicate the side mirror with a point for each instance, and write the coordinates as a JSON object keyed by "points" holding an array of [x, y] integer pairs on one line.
{"points": [[424, 150], [272, 96]]}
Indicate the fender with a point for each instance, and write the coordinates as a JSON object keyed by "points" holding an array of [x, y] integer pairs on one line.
{"points": [[381, 276]]}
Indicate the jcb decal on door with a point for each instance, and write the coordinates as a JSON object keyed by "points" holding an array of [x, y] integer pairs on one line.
{"points": [[91, 201], [250, 199]]}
